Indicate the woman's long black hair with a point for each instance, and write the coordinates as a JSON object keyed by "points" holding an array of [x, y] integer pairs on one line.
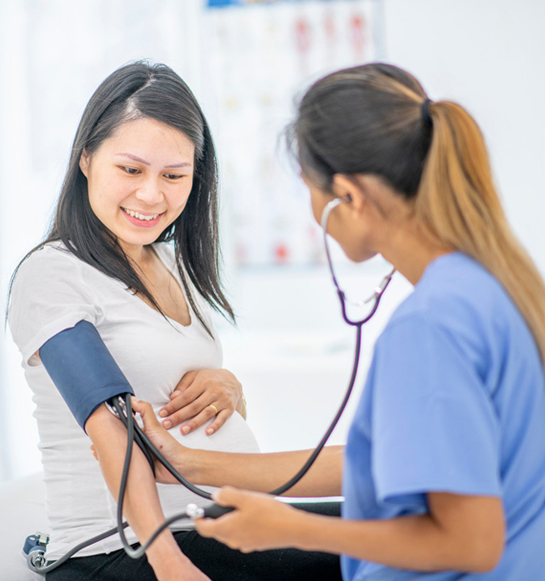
{"points": [[155, 91]]}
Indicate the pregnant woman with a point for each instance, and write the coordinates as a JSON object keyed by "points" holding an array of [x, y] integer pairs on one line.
{"points": [[133, 251]]}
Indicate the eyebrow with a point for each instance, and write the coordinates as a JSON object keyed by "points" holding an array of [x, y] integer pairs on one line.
{"points": [[140, 160]]}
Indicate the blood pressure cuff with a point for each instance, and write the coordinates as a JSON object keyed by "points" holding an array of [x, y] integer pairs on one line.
{"points": [[83, 370]]}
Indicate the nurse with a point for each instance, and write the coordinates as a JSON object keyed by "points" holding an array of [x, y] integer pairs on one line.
{"points": [[443, 473]]}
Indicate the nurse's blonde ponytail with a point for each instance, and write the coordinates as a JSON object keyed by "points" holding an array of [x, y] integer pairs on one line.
{"points": [[377, 119], [458, 206]]}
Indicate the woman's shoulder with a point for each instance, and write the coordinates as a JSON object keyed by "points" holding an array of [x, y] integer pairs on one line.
{"points": [[51, 272], [46, 262], [50, 253]]}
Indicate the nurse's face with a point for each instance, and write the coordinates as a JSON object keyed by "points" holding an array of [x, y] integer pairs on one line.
{"points": [[139, 180]]}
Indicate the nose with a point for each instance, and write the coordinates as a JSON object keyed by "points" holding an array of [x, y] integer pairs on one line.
{"points": [[150, 192]]}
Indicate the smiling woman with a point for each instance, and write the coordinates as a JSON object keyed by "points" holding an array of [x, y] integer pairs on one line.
{"points": [[142, 173]]}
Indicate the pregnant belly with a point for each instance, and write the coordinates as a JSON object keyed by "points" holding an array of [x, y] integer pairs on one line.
{"points": [[234, 436]]}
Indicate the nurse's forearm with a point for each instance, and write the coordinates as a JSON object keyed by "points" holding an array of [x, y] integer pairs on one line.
{"points": [[141, 506], [472, 541], [265, 472], [260, 472]]}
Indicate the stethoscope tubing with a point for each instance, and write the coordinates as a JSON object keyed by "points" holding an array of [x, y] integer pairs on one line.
{"points": [[136, 434], [377, 294]]}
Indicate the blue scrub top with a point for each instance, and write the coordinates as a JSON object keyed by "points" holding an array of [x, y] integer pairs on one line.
{"points": [[454, 402]]}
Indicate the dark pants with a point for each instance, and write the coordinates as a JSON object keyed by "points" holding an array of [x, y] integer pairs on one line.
{"points": [[216, 560]]}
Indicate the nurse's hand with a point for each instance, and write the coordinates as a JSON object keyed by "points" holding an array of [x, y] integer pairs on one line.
{"points": [[174, 452], [202, 395], [259, 522]]}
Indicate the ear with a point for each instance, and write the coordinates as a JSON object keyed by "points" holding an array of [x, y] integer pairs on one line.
{"points": [[84, 162], [353, 189], [367, 194]]}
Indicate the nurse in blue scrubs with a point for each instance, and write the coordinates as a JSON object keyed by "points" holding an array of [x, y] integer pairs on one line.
{"points": [[443, 473]]}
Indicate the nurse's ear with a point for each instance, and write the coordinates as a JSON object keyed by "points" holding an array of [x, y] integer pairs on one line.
{"points": [[84, 162], [355, 189], [368, 195]]}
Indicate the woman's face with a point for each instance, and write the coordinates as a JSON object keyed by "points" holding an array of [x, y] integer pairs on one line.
{"points": [[139, 180]]}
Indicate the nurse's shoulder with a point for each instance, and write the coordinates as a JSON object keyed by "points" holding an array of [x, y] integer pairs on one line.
{"points": [[467, 306]]}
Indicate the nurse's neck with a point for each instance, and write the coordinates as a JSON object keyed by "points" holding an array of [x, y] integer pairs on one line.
{"points": [[390, 224], [395, 231], [411, 251]]}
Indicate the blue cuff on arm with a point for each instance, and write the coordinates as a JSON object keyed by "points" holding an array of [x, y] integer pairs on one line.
{"points": [[83, 370]]}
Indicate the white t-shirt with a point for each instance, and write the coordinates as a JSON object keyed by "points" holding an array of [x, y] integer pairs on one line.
{"points": [[53, 291]]}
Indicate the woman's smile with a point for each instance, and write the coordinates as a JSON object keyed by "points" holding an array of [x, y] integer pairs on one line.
{"points": [[140, 219]]}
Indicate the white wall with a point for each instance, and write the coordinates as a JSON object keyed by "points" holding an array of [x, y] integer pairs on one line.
{"points": [[291, 351], [490, 56]]}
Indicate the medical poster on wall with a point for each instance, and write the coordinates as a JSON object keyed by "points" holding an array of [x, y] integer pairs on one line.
{"points": [[261, 56], [249, 58]]}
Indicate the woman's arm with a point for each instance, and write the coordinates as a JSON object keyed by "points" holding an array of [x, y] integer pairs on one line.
{"points": [[142, 508], [261, 472], [460, 533]]}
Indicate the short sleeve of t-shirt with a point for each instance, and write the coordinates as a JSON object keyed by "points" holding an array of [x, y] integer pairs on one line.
{"points": [[434, 427], [49, 295]]}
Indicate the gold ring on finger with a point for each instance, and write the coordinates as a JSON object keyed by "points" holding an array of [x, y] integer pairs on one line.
{"points": [[211, 405]]}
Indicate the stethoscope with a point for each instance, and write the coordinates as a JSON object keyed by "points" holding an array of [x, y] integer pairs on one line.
{"points": [[121, 406], [379, 290]]}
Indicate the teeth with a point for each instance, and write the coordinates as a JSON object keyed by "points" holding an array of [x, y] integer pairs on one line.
{"points": [[140, 216]]}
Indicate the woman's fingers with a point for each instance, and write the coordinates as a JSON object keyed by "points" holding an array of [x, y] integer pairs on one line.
{"points": [[199, 397], [205, 415], [188, 405], [180, 400], [221, 418]]}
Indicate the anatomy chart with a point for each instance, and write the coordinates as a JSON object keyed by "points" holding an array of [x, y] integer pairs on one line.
{"points": [[260, 57]]}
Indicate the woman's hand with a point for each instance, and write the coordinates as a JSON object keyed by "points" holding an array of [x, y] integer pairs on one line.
{"points": [[259, 522], [201, 395], [174, 452]]}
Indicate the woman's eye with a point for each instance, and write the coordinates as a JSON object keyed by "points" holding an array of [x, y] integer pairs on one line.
{"points": [[172, 176], [130, 170]]}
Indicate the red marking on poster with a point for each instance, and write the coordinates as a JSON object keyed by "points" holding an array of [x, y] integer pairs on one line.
{"points": [[329, 25], [281, 253], [358, 34], [302, 32]]}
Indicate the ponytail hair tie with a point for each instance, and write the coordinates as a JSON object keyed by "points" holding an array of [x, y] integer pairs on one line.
{"points": [[426, 117]]}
